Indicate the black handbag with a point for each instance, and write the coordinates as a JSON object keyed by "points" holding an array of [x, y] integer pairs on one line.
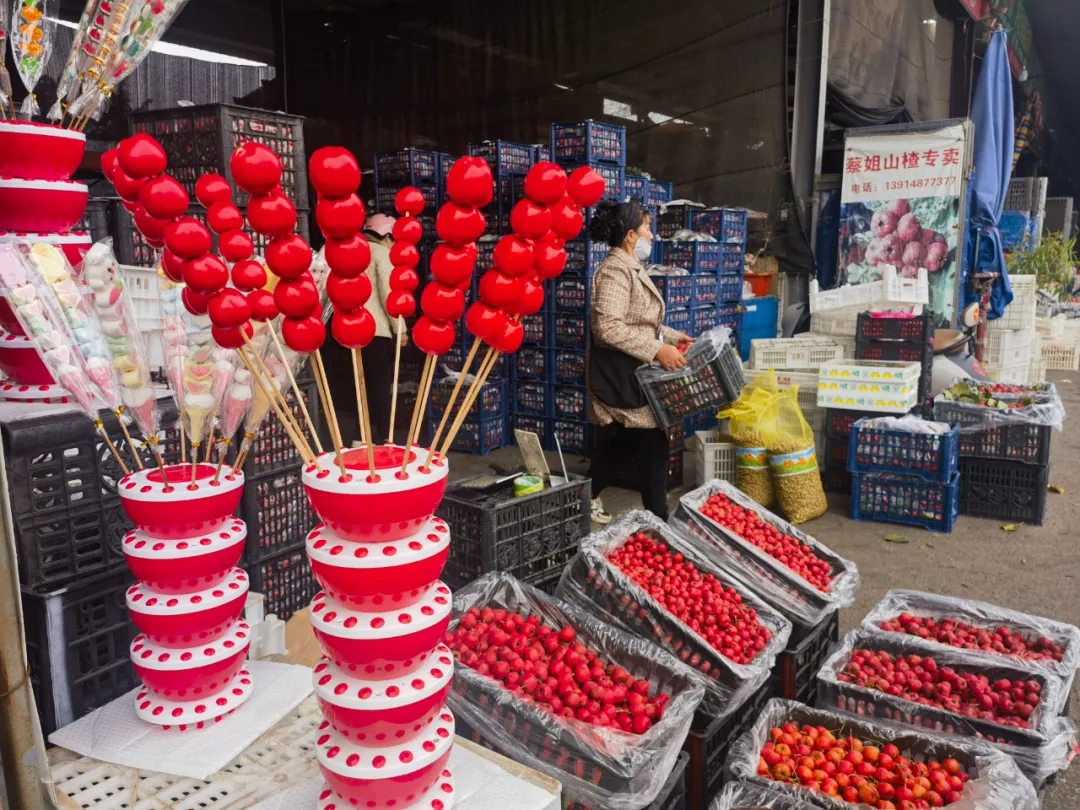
{"points": [[612, 378]]}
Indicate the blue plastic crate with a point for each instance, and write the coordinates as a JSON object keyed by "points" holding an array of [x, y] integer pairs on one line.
{"points": [[583, 256], [587, 142], [509, 189], [407, 167], [733, 259], [490, 402], [705, 220], [905, 499], [678, 319], [1015, 228], [571, 293], [505, 157], [385, 195], [614, 179], [540, 425], [573, 436], [733, 225], [706, 289], [697, 257], [541, 151], [659, 192], [537, 328], [702, 420], [532, 398], [933, 457], [568, 367], [531, 363], [760, 314], [729, 315], [747, 336], [677, 291], [444, 162], [481, 437], [570, 330], [636, 186], [570, 402], [702, 319], [673, 218], [654, 223], [729, 288], [455, 359], [485, 256]]}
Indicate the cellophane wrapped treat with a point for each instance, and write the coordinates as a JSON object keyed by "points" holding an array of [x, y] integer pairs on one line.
{"points": [[995, 782], [1040, 751], [780, 586], [597, 766], [1027, 639], [596, 585]]}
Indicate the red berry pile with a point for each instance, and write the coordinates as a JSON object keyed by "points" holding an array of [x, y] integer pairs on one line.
{"points": [[921, 680], [855, 771], [956, 633], [552, 669], [782, 547], [700, 601]]}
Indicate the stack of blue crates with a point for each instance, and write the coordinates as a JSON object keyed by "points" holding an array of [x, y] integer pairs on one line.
{"points": [[411, 167], [509, 162], [487, 425]]}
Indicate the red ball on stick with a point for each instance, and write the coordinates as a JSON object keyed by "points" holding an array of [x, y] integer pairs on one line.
{"points": [[530, 220], [434, 337], [347, 294], [212, 188], [483, 321], [509, 339], [498, 289], [110, 160], [164, 198], [229, 309], [172, 266], [442, 303], [231, 338], [224, 216], [566, 218], [235, 246], [410, 202], [458, 225], [545, 183], [262, 305], [289, 256], [126, 186], [207, 274], [348, 257], [453, 265], [408, 229], [142, 156], [469, 182], [303, 335], [150, 226], [513, 255], [272, 215], [298, 298], [248, 275], [550, 259], [531, 299], [585, 186], [334, 172], [404, 278], [340, 218], [255, 168], [187, 238], [402, 254], [194, 302], [400, 304], [353, 330]]}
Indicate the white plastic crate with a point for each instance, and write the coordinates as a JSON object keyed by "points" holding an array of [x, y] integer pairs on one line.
{"points": [[842, 322], [1013, 374], [1020, 314], [1038, 363], [870, 371], [1061, 356], [864, 395], [891, 290], [144, 286], [798, 352], [1050, 328], [717, 459], [1004, 348]]}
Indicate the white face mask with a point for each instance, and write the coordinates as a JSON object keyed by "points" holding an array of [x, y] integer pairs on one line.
{"points": [[643, 249]]}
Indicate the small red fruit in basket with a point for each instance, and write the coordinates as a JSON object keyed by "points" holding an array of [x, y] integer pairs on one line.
{"points": [[340, 218], [231, 338], [297, 298], [303, 335], [141, 156], [347, 294], [349, 257], [212, 188], [545, 183], [235, 246], [187, 238], [433, 337], [255, 168], [334, 171], [459, 226], [206, 274], [289, 257], [354, 329], [585, 186], [272, 215], [453, 265], [956, 633], [442, 303], [469, 182], [224, 216], [164, 198]]}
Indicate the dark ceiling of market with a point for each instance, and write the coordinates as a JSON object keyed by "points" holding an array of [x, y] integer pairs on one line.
{"points": [[1055, 27]]}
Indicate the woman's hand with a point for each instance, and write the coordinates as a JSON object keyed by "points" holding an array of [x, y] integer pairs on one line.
{"points": [[670, 358], [684, 342]]}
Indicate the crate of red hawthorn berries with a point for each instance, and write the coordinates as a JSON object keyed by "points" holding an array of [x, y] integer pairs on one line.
{"points": [[712, 378], [872, 764], [643, 575], [981, 627], [822, 577], [951, 692], [558, 690]]}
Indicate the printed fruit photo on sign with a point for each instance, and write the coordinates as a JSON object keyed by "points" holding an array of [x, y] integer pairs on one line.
{"points": [[908, 234]]}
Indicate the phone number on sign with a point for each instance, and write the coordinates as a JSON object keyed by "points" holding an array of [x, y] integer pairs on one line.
{"points": [[920, 182]]}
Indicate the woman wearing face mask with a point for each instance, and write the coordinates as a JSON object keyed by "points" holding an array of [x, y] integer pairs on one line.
{"points": [[627, 330]]}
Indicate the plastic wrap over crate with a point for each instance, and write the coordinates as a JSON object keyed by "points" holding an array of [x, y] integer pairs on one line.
{"points": [[600, 766], [985, 617], [995, 782], [1044, 408], [594, 584], [772, 580], [1040, 751], [744, 796]]}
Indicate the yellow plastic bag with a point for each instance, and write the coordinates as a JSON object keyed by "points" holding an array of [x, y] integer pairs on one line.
{"points": [[792, 459], [752, 474]]}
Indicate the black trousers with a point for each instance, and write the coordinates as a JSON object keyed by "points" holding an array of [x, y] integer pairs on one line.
{"points": [[647, 446]]}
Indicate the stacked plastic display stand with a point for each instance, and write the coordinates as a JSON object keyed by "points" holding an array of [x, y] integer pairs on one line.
{"points": [[39, 203], [192, 646], [384, 676]]}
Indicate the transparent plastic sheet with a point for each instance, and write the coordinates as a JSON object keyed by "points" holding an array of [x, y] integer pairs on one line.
{"points": [[982, 615], [995, 784], [76, 55], [6, 104], [705, 350], [743, 796], [599, 767], [1040, 751], [593, 584], [1045, 408], [33, 25], [774, 582]]}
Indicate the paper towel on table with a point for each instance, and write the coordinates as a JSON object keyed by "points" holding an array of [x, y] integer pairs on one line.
{"points": [[115, 734], [478, 783]]}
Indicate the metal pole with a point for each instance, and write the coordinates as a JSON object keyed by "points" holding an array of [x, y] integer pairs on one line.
{"points": [[22, 750]]}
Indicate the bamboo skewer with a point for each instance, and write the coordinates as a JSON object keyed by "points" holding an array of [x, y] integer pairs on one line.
{"points": [[328, 406], [358, 385], [131, 443], [273, 393], [297, 440], [183, 434], [194, 462], [152, 443], [418, 408], [296, 389], [490, 359], [453, 398], [362, 407], [109, 443], [209, 447], [397, 369]]}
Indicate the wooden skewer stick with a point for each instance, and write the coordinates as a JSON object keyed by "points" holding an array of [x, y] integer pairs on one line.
{"points": [[152, 443], [362, 407], [453, 398], [109, 443], [328, 407], [277, 398], [296, 389], [183, 435], [194, 460], [209, 446], [418, 408], [397, 369], [131, 443], [474, 391], [221, 457], [298, 442]]}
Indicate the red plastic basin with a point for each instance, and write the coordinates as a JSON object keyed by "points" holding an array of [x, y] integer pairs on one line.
{"points": [[180, 509], [51, 206], [39, 151]]}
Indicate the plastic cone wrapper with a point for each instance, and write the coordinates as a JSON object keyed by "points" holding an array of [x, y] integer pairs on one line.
{"points": [[5, 77], [93, 26], [82, 323], [33, 24], [124, 341]]}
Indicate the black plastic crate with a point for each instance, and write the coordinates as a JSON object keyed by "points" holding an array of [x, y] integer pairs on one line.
{"points": [[277, 512], [836, 480], [407, 167], [505, 157], [709, 385], [201, 140], [272, 449], [838, 421], [479, 437], [707, 745], [77, 643], [59, 547], [834, 455], [916, 328], [95, 219], [1013, 442], [794, 676], [905, 351], [285, 580], [588, 142], [530, 537], [1003, 490]]}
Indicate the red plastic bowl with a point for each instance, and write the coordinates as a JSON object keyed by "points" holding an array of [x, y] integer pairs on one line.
{"points": [[181, 621], [195, 672], [188, 565], [180, 510], [379, 714], [386, 778], [74, 246], [21, 362], [380, 511], [379, 576], [51, 206], [39, 151], [381, 646], [49, 394]]}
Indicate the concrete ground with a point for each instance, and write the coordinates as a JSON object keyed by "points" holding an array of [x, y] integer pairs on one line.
{"points": [[1035, 569]]}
